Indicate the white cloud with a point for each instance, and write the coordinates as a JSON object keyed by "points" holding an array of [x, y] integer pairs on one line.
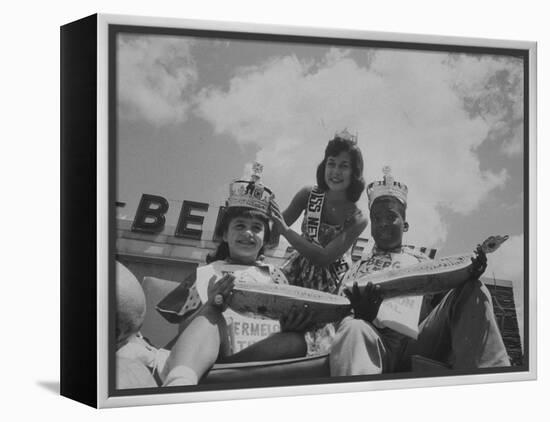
{"points": [[507, 261], [492, 88], [155, 77], [406, 108]]}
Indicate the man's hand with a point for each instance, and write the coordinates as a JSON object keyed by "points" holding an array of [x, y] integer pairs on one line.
{"points": [[296, 321], [365, 306], [479, 263]]}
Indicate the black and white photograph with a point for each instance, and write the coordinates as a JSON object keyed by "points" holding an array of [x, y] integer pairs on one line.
{"points": [[303, 210], [275, 211]]}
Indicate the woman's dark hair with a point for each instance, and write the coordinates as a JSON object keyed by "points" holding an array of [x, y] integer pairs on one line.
{"points": [[222, 251], [333, 149]]}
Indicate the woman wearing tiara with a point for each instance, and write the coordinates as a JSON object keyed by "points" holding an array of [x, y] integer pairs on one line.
{"points": [[331, 225]]}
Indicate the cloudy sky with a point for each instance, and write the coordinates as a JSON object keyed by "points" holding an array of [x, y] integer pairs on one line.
{"points": [[194, 112]]}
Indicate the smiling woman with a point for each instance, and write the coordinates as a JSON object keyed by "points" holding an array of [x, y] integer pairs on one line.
{"points": [[338, 172], [332, 223]]}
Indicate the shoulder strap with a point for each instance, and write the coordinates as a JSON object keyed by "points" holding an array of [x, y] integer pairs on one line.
{"points": [[313, 213]]}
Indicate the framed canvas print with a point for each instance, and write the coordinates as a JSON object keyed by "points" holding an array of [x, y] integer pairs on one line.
{"points": [[253, 210]]}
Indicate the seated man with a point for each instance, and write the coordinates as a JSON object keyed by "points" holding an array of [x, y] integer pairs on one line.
{"points": [[460, 331]]}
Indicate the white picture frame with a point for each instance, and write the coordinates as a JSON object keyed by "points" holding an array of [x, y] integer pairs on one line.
{"points": [[104, 141]]}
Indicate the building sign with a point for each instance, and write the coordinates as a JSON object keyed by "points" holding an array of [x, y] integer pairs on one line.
{"points": [[193, 218], [151, 217]]}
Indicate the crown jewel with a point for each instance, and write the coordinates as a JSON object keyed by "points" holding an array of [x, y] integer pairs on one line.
{"points": [[250, 193], [387, 187], [346, 135]]}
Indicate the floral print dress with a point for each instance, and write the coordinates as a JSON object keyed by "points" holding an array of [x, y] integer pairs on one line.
{"points": [[299, 271]]}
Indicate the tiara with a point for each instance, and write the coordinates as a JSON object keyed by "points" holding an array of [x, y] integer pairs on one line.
{"points": [[346, 136], [250, 193], [387, 187]]}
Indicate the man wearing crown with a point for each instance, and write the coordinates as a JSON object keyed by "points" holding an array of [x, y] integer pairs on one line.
{"points": [[460, 331]]}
